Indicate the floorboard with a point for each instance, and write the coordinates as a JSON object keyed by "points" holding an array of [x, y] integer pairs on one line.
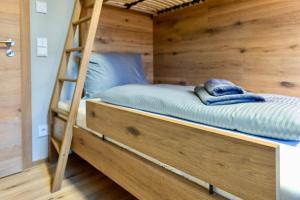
{"points": [[81, 182]]}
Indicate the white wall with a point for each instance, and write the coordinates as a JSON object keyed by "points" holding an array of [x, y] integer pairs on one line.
{"points": [[52, 25]]}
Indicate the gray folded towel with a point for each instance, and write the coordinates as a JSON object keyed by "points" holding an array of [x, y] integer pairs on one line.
{"points": [[220, 87], [210, 100]]}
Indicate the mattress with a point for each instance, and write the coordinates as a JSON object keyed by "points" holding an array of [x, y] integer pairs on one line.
{"points": [[289, 158], [81, 122], [81, 119], [276, 118]]}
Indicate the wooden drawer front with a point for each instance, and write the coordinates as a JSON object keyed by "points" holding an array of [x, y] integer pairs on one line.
{"points": [[242, 166], [141, 178]]}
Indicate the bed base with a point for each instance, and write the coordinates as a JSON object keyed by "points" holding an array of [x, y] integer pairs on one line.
{"points": [[240, 165], [140, 177]]}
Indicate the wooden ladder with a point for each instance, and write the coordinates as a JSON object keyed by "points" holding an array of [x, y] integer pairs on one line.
{"points": [[80, 16]]}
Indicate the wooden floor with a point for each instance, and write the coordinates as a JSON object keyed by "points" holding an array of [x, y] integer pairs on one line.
{"points": [[81, 182]]}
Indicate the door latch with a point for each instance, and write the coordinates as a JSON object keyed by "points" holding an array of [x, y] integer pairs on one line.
{"points": [[9, 44]]}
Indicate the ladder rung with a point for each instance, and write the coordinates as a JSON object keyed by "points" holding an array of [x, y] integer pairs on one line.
{"points": [[56, 144], [82, 20], [68, 79], [89, 5], [63, 117], [74, 49], [61, 114]]}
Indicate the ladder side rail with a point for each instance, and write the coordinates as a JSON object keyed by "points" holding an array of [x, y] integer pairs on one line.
{"points": [[67, 138], [65, 55], [52, 155]]}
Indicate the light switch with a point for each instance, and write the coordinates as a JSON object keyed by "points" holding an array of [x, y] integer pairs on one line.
{"points": [[42, 52], [42, 42], [42, 46], [45, 42], [39, 42], [41, 7]]}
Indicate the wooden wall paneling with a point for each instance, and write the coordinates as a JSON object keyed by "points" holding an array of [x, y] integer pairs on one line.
{"points": [[125, 31], [174, 38], [26, 84], [253, 43]]}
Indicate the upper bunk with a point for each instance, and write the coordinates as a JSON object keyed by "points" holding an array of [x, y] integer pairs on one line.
{"points": [[237, 40], [153, 7]]}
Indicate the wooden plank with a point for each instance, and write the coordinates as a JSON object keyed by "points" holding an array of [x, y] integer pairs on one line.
{"points": [[81, 182], [67, 79], [237, 164], [81, 20], [126, 31], [69, 50], [253, 43], [141, 178], [26, 85], [56, 144], [154, 6]]}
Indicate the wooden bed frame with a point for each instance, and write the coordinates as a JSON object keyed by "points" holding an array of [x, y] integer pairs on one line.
{"points": [[240, 165], [243, 166], [140, 177], [140, 150]]}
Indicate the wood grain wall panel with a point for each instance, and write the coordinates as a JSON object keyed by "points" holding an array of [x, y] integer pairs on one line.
{"points": [[255, 43], [26, 84], [125, 31], [10, 95]]}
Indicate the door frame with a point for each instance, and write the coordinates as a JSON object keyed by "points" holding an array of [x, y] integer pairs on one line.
{"points": [[26, 83]]}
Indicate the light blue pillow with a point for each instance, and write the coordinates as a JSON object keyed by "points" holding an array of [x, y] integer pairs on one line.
{"points": [[108, 70]]}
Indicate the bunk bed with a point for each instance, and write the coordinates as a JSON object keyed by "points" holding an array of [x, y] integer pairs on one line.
{"points": [[152, 156]]}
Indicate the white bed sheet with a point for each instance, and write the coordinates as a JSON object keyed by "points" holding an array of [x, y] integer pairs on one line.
{"points": [[81, 119], [289, 159]]}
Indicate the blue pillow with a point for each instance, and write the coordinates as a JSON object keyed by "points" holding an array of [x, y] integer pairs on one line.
{"points": [[108, 70]]}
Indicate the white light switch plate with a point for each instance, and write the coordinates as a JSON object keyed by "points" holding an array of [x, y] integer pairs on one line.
{"points": [[41, 7], [42, 46], [43, 130], [42, 51], [42, 42]]}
